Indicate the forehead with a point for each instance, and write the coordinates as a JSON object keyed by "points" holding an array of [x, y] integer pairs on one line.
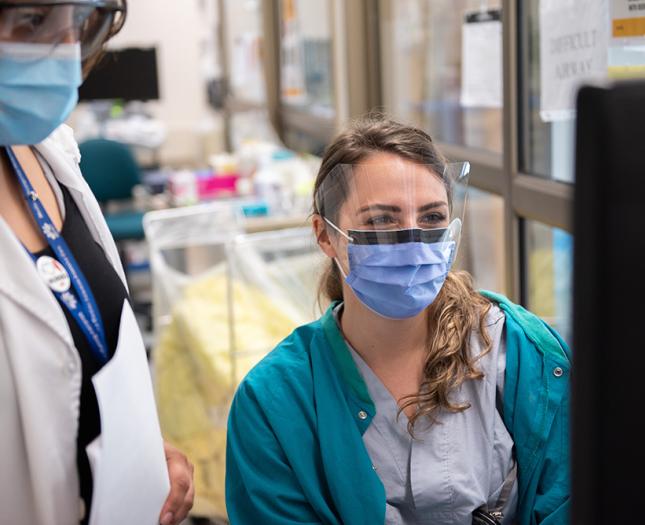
{"points": [[391, 178]]}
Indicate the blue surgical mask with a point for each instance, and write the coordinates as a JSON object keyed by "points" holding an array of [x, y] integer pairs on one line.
{"points": [[399, 280], [36, 94]]}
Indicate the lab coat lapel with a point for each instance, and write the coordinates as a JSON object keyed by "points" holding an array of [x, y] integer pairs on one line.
{"points": [[68, 173], [20, 282]]}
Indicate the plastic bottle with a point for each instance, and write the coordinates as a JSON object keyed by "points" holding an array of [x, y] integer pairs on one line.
{"points": [[183, 188]]}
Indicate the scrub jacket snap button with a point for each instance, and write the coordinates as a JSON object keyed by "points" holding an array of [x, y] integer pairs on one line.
{"points": [[362, 414], [557, 371]]}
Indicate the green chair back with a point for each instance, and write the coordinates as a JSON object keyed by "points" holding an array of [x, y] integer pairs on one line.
{"points": [[110, 169]]}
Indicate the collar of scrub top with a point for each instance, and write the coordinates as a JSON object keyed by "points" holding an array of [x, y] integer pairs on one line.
{"points": [[82, 304], [348, 370]]}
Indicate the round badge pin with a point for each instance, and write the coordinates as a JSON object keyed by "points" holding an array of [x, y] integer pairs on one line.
{"points": [[53, 273]]}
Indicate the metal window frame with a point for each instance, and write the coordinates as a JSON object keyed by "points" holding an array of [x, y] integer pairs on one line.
{"points": [[355, 69], [360, 61], [233, 104], [300, 119], [525, 196]]}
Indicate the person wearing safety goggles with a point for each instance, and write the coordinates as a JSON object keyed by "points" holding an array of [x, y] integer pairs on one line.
{"points": [[69, 342], [414, 398]]}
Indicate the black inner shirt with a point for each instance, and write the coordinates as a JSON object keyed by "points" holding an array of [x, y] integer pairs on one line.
{"points": [[109, 293]]}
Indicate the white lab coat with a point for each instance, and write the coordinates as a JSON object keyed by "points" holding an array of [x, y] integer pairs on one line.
{"points": [[40, 369]]}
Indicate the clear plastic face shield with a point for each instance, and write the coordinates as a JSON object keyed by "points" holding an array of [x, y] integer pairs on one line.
{"points": [[42, 26], [395, 227]]}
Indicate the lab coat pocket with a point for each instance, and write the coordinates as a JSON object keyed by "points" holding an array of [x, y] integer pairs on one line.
{"points": [[128, 461]]}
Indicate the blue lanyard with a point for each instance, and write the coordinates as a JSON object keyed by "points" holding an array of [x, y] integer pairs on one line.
{"points": [[82, 305]]}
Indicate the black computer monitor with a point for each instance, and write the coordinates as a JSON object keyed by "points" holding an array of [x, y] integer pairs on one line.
{"points": [[127, 74], [608, 380]]}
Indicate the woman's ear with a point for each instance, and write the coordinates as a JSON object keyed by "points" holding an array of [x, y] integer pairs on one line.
{"points": [[322, 236]]}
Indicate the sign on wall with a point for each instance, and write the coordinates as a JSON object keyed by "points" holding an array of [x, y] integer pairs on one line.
{"points": [[628, 18], [481, 63], [574, 38]]}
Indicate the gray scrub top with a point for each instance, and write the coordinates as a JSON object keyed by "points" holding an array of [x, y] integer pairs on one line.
{"points": [[451, 468]]}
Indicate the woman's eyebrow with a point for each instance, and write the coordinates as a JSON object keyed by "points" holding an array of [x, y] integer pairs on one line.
{"points": [[380, 207], [432, 205]]}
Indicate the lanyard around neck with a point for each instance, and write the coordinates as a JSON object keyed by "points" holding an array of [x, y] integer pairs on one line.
{"points": [[63, 275]]}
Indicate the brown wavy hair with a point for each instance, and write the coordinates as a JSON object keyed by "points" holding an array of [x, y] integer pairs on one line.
{"points": [[458, 311]]}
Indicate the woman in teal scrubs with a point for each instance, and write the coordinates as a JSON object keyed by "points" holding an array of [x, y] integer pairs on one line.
{"points": [[415, 398]]}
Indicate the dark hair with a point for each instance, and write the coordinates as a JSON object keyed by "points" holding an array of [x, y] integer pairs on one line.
{"points": [[458, 310], [117, 23]]}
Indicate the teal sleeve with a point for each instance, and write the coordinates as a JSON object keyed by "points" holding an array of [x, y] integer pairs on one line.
{"points": [[552, 501], [536, 412], [558, 517], [261, 487], [551, 504]]}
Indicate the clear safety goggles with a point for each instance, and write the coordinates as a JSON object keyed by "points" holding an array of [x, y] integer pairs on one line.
{"points": [[50, 23], [395, 202]]}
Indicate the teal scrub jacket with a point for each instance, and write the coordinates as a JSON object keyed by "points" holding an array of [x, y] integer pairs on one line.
{"points": [[295, 453]]}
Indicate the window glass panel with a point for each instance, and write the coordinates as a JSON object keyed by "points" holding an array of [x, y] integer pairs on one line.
{"points": [[422, 78], [548, 146], [481, 251], [306, 56], [301, 141], [548, 149], [243, 44], [549, 258], [251, 126]]}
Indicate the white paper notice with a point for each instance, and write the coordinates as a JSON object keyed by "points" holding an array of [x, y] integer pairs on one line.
{"points": [[574, 37], [128, 462], [481, 63]]}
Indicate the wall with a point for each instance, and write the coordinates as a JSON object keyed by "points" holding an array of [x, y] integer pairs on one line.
{"points": [[184, 32]]}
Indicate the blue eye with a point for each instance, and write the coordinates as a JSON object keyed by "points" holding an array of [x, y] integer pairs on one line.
{"points": [[433, 218], [380, 220]]}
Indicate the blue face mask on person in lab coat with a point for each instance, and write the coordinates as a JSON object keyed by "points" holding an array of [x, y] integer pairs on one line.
{"points": [[399, 273], [37, 93]]}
